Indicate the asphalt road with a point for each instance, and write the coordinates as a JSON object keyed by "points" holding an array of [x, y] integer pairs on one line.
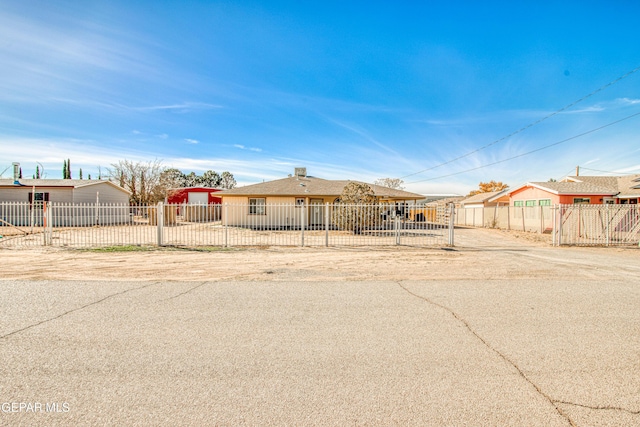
{"points": [[521, 351]]}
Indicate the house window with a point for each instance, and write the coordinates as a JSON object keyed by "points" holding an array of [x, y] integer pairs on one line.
{"points": [[39, 199], [544, 202], [299, 202], [609, 201], [581, 200], [518, 203], [257, 206], [530, 203]]}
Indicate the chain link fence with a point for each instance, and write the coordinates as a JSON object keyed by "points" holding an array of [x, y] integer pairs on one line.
{"points": [[228, 225]]}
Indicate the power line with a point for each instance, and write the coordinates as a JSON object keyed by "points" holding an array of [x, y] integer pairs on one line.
{"points": [[530, 152], [613, 173], [527, 126]]}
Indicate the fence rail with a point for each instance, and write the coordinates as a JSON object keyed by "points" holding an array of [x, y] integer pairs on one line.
{"points": [[92, 225]]}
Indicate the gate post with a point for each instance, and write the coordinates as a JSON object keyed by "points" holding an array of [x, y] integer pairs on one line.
{"points": [[396, 227], [608, 221], [225, 216], [452, 213], [160, 218], [46, 218], [302, 216], [326, 224]]}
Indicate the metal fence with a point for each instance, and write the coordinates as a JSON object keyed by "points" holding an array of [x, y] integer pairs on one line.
{"points": [[578, 224], [597, 225], [537, 219], [63, 225]]}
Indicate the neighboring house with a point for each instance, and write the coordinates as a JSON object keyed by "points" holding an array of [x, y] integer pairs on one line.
{"points": [[300, 190], [26, 201], [592, 190], [74, 191], [193, 196], [627, 187], [483, 200]]}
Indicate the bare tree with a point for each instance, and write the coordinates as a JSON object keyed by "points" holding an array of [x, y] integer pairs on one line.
{"points": [[141, 179], [395, 183]]}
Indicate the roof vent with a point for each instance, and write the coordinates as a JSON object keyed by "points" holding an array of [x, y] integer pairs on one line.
{"points": [[301, 172]]}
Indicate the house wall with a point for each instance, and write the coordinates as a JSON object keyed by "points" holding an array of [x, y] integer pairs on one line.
{"points": [[280, 211], [21, 194], [533, 193], [108, 194]]}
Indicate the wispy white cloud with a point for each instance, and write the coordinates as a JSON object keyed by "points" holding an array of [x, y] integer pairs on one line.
{"points": [[163, 136], [183, 107], [192, 141], [242, 147]]}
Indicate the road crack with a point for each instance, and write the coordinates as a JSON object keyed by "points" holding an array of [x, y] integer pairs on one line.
{"points": [[466, 324], [74, 310], [598, 408]]}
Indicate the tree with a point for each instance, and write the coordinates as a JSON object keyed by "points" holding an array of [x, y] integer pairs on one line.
{"points": [[227, 180], [210, 179], [395, 183], [172, 178], [357, 208], [37, 175], [68, 169], [20, 175], [487, 187], [141, 179], [64, 169], [80, 173], [191, 180]]}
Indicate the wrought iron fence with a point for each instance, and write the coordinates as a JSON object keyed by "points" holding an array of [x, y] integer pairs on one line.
{"points": [[23, 224]]}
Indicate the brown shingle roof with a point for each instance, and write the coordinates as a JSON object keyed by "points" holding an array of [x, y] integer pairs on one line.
{"points": [[312, 186], [575, 188], [625, 185]]}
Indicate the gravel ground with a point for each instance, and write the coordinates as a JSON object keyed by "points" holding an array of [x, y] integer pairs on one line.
{"points": [[498, 331]]}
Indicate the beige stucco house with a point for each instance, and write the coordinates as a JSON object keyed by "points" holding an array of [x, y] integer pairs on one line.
{"points": [[298, 199]]}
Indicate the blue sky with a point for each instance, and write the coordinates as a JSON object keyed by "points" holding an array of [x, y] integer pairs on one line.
{"points": [[351, 90]]}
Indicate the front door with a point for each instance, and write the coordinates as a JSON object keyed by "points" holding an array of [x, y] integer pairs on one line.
{"points": [[316, 212]]}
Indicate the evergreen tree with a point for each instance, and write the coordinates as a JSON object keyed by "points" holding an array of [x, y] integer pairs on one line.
{"points": [[80, 173], [20, 176], [89, 177], [37, 172], [68, 168], [64, 169]]}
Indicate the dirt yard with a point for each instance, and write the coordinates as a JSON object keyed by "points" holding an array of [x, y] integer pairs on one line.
{"points": [[478, 253]]}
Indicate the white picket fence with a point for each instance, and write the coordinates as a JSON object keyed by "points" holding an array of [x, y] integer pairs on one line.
{"points": [[51, 224]]}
